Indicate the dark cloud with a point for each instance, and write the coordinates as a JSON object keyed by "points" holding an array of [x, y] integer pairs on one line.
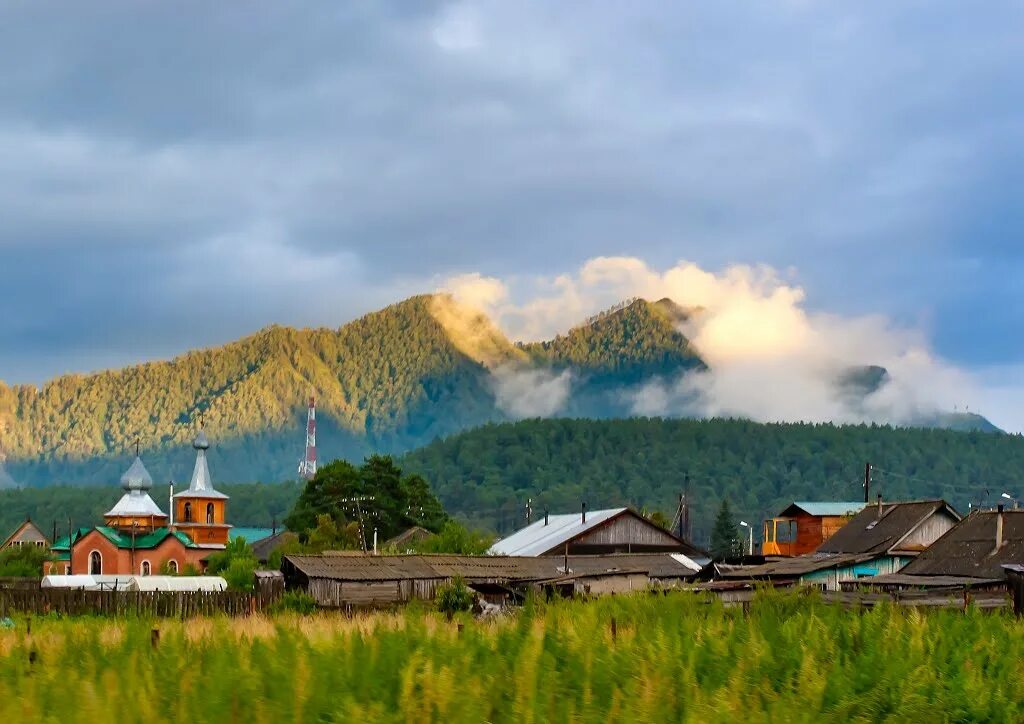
{"points": [[305, 162]]}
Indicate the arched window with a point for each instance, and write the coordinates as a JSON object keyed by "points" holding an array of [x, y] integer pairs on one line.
{"points": [[146, 568], [209, 513], [172, 566], [95, 564], [188, 513]]}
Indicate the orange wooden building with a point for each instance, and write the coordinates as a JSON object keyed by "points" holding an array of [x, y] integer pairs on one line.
{"points": [[803, 526]]}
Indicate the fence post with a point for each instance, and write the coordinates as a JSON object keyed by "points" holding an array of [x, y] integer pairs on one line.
{"points": [[154, 638], [615, 629]]}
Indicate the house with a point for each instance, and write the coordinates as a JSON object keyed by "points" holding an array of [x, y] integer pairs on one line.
{"points": [[138, 538], [975, 552], [404, 541], [803, 526], [616, 530], [356, 579], [27, 533], [880, 539], [264, 548]]}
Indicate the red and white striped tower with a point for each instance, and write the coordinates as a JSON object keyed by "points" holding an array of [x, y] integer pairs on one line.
{"points": [[307, 468]]}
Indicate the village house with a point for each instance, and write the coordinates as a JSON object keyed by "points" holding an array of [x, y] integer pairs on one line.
{"points": [[355, 579], [138, 538], [616, 530], [974, 553], [803, 526], [881, 539], [26, 534]]}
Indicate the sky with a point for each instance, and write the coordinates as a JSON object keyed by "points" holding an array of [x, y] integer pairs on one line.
{"points": [[179, 175]]}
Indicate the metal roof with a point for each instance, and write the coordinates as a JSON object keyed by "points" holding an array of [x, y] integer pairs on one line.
{"points": [[150, 540], [136, 503], [538, 538], [880, 529], [823, 508], [969, 549], [136, 477], [202, 482]]}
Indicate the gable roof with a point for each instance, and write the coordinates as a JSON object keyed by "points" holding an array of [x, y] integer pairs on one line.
{"points": [[969, 549], [555, 531], [822, 508], [550, 532], [868, 533], [27, 528]]}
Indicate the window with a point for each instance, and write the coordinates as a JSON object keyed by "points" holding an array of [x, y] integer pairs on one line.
{"points": [[147, 569], [67, 569], [172, 565], [95, 564], [209, 513], [187, 517], [785, 531]]}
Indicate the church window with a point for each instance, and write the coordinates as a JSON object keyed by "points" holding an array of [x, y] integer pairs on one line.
{"points": [[188, 513], [172, 566], [209, 513], [146, 568], [95, 564]]}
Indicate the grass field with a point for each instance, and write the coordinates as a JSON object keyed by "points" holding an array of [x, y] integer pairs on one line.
{"points": [[673, 658]]}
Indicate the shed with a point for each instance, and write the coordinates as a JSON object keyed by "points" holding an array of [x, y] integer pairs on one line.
{"points": [[616, 530]]}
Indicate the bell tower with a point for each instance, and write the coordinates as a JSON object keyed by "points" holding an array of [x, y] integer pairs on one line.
{"points": [[201, 511]]}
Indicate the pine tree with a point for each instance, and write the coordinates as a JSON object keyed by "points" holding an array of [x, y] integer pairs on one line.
{"points": [[724, 541]]}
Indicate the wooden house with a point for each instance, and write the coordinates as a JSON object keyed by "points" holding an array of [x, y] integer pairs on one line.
{"points": [[27, 534], [616, 530], [881, 539], [803, 526]]}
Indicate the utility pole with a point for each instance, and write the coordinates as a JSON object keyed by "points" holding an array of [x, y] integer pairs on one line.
{"points": [[529, 510], [686, 509], [867, 483]]}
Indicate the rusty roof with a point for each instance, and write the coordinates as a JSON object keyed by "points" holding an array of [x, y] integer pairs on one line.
{"points": [[362, 567], [969, 549], [868, 533]]}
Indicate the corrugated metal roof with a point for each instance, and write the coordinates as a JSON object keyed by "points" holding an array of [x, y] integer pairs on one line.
{"points": [[538, 538], [823, 508], [969, 549], [868, 533]]}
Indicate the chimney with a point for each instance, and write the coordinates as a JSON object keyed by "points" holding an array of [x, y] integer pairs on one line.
{"points": [[545, 516], [999, 527], [878, 515], [584, 514]]}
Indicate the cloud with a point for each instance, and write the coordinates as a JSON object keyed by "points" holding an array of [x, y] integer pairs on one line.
{"points": [[769, 357], [522, 393]]}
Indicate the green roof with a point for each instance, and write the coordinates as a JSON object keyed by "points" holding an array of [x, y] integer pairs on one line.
{"points": [[150, 540]]}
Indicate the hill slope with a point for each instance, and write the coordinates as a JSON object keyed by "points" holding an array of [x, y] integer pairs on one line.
{"points": [[488, 474]]}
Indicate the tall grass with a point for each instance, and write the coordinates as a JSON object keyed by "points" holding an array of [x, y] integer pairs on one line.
{"points": [[673, 658]]}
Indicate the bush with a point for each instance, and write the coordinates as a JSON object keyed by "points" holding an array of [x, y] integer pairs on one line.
{"points": [[454, 597], [295, 602], [25, 561]]}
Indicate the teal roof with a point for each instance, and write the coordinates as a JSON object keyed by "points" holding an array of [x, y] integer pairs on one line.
{"points": [[252, 535], [150, 540], [826, 507]]}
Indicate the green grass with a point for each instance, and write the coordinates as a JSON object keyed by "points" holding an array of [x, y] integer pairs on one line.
{"points": [[674, 658]]}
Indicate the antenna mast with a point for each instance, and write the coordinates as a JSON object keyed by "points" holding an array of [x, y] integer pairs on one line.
{"points": [[307, 467]]}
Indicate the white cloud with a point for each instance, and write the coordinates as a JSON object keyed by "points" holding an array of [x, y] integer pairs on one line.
{"points": [[523, 393]]}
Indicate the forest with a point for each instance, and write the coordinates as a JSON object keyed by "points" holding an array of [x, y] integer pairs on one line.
{"points": [[485, 476]]}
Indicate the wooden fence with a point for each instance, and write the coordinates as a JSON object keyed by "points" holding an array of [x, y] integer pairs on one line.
{"points": [[935, 598], [160, 604]]}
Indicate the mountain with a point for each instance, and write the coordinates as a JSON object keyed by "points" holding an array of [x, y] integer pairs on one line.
{"points": [[395, 379]]}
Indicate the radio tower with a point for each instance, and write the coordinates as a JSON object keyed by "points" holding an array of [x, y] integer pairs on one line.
{"points": [[307, 466]]}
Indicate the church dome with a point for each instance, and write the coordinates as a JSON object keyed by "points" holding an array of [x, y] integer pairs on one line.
{"points": [[137, 477], [201, 442]]}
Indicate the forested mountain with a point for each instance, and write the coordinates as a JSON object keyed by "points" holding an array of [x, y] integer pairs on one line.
{"points": [[485, 476], [388, 382]]}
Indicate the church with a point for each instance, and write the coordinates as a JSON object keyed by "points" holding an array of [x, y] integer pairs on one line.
{"points": [[138, 538]]}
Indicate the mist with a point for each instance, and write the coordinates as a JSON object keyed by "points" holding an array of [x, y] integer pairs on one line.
{"points": [[771, 358]]}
